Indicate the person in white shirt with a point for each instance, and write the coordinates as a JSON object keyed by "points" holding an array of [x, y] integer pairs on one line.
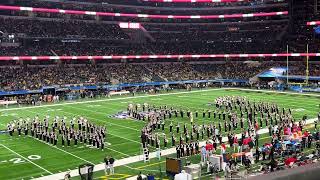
{"points": [[183, 176]]}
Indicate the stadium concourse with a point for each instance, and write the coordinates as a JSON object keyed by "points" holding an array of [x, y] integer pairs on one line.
{"points": [[117, 89]]}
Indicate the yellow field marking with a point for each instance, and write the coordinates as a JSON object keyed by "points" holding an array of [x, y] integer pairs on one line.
{"points": [[150, 165], [122, 176]]}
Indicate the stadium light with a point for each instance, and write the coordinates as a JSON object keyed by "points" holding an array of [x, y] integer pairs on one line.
{"points": [[313, 23], [188, 56], [125, 25], [151, 16]]}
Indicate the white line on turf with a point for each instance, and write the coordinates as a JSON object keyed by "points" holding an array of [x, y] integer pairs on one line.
{"points": [[99, 119], [138, 169], [125, 138], [25, 158], [64, 151], [118, 152]]}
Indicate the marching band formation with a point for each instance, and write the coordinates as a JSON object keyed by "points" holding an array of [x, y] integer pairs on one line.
{"points": [[225, 116], [79, 130]]}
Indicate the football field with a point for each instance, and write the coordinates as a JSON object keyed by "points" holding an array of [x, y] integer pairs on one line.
{"points": [[25, 157]]}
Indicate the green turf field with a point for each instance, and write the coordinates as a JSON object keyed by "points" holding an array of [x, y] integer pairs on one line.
{"points": [[25, 158]]}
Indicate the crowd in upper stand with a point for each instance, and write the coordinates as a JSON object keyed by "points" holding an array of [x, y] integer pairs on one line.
{"points": [[17, 78], [54, 28], [62, 29], [109, 48]]}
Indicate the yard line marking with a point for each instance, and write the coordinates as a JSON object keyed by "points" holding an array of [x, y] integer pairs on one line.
{"points": [[25, 158], [138, 169], [90, 117], [64, 151], [120, 144], [125, 138], [99, 119], [119, 152], [152, 164], [106, 100]]}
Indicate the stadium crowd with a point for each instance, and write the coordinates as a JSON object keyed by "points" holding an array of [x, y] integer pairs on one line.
{"points": [[36, 77], [83, 47], [18, 78], [32, 77], [62, 28]]}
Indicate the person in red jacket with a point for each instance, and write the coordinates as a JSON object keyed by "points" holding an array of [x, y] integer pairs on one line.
{"points": [[290, 161]]}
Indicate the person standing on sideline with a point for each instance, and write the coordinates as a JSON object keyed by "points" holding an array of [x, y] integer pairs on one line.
{"points": [[203, 154], [111, 162], [107, 165]]}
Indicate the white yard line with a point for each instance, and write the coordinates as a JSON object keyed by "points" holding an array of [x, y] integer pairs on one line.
{"points": [[64, 151], [125, 138], [138, 169], [97, 119], [119, 152], [26, 159], [134, 159]]}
